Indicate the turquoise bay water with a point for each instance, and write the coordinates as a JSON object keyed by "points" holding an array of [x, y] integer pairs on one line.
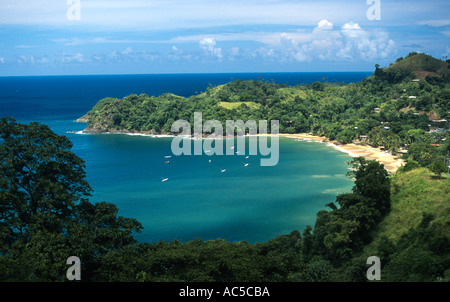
{"points": [[252, 203]]}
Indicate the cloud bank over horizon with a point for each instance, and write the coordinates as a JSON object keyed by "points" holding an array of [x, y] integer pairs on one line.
{"points": [[91, 37]]}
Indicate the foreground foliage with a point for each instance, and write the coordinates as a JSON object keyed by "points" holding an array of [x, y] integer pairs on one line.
{"points": [[45, 215]]}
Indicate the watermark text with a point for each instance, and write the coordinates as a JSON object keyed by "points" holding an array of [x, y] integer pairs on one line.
{"points": [[213, 143]]}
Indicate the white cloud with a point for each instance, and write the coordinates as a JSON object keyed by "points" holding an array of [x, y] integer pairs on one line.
{"points": [[72, 58], [435, 23], [351, 26], [324, 42], [266, 53], [352, 30], [26, 46], [324, 24], [25, 59], [274, 37], [2, 60], [350, 42], [301, 56], [363, 44], [130, 55], [100, 40], [29, 59], [78, 41], [178, 54], [208, 45]]}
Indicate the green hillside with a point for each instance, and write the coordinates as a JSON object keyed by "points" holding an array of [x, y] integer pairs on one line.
{"points": [[234, 105], [414, 193], [413, 240], [423, 65]]}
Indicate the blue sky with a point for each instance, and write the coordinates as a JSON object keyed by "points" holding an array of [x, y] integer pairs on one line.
{"points": [[60, 37]]}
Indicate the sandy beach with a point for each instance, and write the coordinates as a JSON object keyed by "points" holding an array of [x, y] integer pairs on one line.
{"points": [[390, 162]]}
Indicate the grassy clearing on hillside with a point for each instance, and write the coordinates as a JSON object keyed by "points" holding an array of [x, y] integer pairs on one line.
{"points": [[289, 93], [229, 106], [414, 193]]}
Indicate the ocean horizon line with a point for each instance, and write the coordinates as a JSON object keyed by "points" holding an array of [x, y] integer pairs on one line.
{"points": [[185, 73]]}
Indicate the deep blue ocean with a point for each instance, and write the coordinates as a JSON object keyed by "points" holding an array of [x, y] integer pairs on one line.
{"points": [[251, 203]]}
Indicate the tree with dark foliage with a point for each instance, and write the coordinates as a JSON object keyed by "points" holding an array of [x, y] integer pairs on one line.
{"points": [[45, 215]]}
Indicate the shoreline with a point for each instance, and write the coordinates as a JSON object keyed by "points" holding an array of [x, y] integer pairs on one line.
{"points": [[391, 162]]}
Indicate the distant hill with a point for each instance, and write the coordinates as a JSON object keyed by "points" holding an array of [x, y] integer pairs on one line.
{"points": [[422, 65]]}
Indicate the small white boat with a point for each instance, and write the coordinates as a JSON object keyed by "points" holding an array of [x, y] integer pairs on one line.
{"points": [[247, 156], [164, 179], [168, 156], [223, 170], [246, 164]]}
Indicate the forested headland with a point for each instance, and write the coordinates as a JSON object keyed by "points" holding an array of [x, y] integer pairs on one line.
{"points": [[403, 218], [402, 107]]}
